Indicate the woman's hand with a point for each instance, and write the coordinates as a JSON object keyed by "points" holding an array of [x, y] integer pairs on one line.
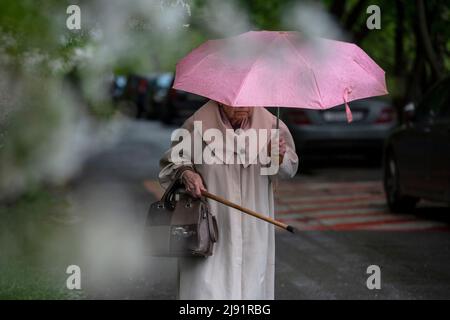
{"points": [[193, 183], [281, 148]]}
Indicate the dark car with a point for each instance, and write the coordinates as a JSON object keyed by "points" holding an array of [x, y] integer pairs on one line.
{"points": [[417, 154], [179, 105], [133, 95], [326, 132], [160, 88], [118, 87]]}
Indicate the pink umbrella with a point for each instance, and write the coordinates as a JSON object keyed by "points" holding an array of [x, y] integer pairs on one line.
{"points": [[280, 69]]}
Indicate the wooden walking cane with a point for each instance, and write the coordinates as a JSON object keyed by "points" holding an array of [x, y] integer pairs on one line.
{"points": [[248, 211]]}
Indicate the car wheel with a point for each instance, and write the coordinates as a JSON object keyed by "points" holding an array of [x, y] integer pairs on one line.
{"points": [[396, 201]]}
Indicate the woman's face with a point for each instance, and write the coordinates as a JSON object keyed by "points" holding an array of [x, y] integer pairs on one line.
{"points": [[237, 115]]}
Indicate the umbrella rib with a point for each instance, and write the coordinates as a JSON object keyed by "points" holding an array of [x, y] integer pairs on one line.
{"points": [[198, 63], [250, 69], [201, 60], [369, 73], [309, 67]]}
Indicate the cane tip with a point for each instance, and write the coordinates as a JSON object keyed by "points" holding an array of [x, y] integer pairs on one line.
{"points": [[290, 229]]}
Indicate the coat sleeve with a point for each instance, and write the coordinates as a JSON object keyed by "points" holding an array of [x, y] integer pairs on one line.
{"points": [[169, 165], [289, 166]]}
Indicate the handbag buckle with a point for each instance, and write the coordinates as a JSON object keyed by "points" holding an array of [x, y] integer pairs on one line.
{"points": [[182, 232]]}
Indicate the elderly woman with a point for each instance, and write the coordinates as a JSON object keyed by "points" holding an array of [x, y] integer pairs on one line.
{"points": [[243, 263]]}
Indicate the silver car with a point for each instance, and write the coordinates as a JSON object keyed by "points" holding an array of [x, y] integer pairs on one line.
{"points": [[326, 132]]}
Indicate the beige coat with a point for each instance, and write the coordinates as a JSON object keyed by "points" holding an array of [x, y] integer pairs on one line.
{"points": [[243, 264]]}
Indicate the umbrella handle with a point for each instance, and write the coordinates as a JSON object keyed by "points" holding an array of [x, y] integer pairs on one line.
{"points": [[278, 117], [278, 127], [248, 211]]}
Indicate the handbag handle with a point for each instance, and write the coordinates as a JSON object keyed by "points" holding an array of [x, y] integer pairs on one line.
{"points": [[173, 186]]}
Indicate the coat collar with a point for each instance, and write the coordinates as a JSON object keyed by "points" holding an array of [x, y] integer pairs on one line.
{"points": [[210, 117]]}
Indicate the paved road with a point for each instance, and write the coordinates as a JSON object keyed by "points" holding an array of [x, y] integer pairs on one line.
{"points": [[340, 210], [349, 205]]}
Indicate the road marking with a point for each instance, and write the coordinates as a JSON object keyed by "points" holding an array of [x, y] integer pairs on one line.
{"points": [[362, 223], [318, 197], [294, 187], [417, 225], [287, 209], [334, 214], [343, 206], [348, 198]]}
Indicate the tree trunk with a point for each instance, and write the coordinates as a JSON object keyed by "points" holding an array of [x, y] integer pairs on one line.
{"points": [[417, 73], [352, 17], [426, 40], [399, 67], [338, 8], [399, 100]]}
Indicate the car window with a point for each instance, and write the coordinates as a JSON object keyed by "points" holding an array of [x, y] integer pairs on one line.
{"points": [[435, 103], [165, 80]]}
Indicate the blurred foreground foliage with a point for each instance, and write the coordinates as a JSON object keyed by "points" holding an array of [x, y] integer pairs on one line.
{"points": [[55, 82], [35, 249]]}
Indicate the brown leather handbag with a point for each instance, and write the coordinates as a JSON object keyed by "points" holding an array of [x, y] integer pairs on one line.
{"points": [[180, 225]]}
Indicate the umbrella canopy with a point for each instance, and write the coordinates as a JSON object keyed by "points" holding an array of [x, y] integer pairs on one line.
{"points": [[280, 69]]}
